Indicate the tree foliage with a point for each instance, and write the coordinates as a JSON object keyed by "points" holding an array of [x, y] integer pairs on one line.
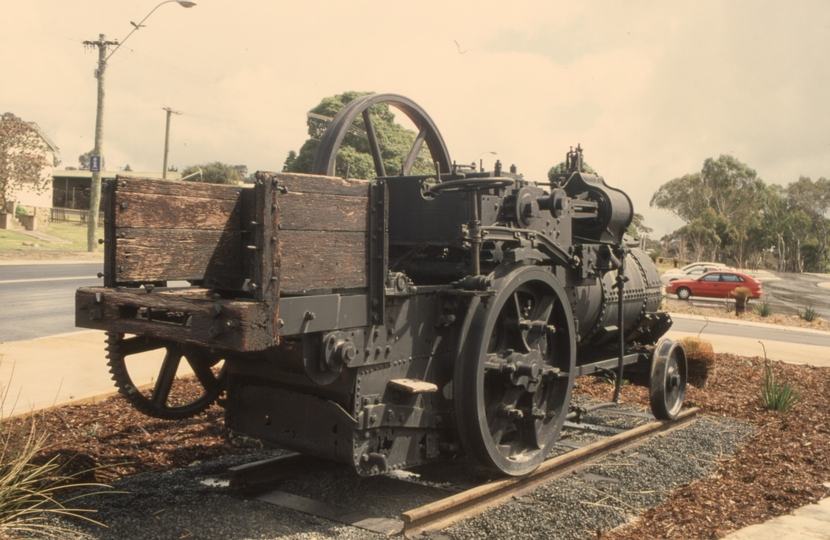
{"points": [[731, 214], [216, 173], [562, 167], [354, 154], [22, 157]]}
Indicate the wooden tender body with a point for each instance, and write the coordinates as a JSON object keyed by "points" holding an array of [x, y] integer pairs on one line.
{"points": [[240, 249]]}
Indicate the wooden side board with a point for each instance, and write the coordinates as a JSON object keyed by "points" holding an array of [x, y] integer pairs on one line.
{"points": [[169, 230], [323, 224], [166, 230], [291, 234]]}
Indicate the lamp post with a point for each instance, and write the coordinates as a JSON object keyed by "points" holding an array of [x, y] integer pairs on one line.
{"points": [[167, 140], [95, 188]]}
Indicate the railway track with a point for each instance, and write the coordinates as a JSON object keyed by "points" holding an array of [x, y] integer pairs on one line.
{"points": [[454, 501]]}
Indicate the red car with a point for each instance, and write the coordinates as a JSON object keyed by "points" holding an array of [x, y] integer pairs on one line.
{"points": [[717, 283]]}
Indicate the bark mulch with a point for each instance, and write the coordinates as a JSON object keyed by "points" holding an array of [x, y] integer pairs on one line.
{"points": [[781, 467]]}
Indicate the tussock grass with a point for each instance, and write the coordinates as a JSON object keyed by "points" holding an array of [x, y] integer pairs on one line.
{"points": [[764, 309], [30, 492], [809, 314], [775, 395], [700, 358]]}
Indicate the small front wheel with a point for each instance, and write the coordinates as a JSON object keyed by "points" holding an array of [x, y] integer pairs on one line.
{"points": [[667, 384], [684, 293]]}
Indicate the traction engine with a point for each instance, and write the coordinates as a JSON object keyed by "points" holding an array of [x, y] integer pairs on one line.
{"points": [[384, 323]]}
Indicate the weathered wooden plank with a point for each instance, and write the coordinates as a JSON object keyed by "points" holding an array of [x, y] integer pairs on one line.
{"points": [[177, 188], [323, 212], [311, 183], [173, 212], [168, 254], [237, 325], [313, 260], [266, 271]]}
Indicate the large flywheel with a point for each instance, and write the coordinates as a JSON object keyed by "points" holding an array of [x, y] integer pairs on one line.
{"points": [[326, 157], [169, 398], [514, 376]]}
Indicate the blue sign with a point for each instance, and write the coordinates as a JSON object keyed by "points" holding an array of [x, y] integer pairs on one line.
{"points": [[95, 163]]}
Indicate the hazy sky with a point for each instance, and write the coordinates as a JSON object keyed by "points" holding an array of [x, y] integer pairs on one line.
{"points": [[649, 89]]}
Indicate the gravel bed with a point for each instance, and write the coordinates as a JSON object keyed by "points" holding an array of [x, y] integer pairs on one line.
{"points": [[612, 491], [178, 504]]}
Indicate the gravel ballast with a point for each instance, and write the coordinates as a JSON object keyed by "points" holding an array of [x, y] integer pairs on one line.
{"points": [[180, 504]]}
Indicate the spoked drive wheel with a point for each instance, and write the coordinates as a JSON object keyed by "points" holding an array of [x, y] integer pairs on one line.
{"points": [[667, 384], [167, 399], [514, 376], [326, 157]]}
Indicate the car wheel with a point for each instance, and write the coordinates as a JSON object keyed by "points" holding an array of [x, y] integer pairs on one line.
{"points": [[684, 293]]}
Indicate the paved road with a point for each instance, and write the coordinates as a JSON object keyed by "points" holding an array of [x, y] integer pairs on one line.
{"points": [[796, 292], [39, 300], [788, 294], [762, 333]]}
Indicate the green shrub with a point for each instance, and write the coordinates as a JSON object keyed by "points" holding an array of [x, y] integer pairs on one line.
{"points": [[776, 396], [764, 309], [20, 211], [809, 314]]}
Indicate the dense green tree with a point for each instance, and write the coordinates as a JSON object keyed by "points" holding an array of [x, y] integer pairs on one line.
{"points": [[215, 173], [637, 228], [562, 167], [730, 188], [707, 234], [813, 199], [354, 155], [684, 197]]}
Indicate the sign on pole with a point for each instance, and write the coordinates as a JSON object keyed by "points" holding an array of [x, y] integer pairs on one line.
{"points": [[95, 163]]}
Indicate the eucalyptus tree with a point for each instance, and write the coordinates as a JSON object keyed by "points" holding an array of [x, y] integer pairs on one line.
{"points": [[732, 191]]}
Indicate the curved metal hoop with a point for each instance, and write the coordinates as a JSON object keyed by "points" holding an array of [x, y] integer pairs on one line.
{"points": [[325, 160]]}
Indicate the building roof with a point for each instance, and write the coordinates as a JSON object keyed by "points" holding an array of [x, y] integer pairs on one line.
{"points": [[52, 147]]}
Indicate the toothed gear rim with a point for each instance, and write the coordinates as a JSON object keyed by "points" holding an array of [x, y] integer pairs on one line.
{"points": [[200, 360]]}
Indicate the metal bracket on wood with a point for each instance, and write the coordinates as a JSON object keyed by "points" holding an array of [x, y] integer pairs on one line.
{"points": [[378, 250], [108, 195]]}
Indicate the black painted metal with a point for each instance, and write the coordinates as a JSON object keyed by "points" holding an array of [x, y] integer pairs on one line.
{"points": [[378, 250]]}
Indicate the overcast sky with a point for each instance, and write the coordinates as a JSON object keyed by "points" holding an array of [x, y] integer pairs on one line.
{"points": [[649, 89]]}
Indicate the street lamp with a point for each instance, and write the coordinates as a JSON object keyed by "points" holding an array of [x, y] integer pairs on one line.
{"points": [[95, 188]]}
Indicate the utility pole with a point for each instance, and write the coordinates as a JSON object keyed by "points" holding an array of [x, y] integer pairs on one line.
{"points": [[167, 139], [95, 188]]}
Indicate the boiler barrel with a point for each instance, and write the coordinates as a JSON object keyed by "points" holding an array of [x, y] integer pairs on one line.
{"points": [[596, 306]]}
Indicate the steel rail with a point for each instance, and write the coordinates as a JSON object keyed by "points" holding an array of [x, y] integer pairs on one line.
{"points": [[445, 512]]}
